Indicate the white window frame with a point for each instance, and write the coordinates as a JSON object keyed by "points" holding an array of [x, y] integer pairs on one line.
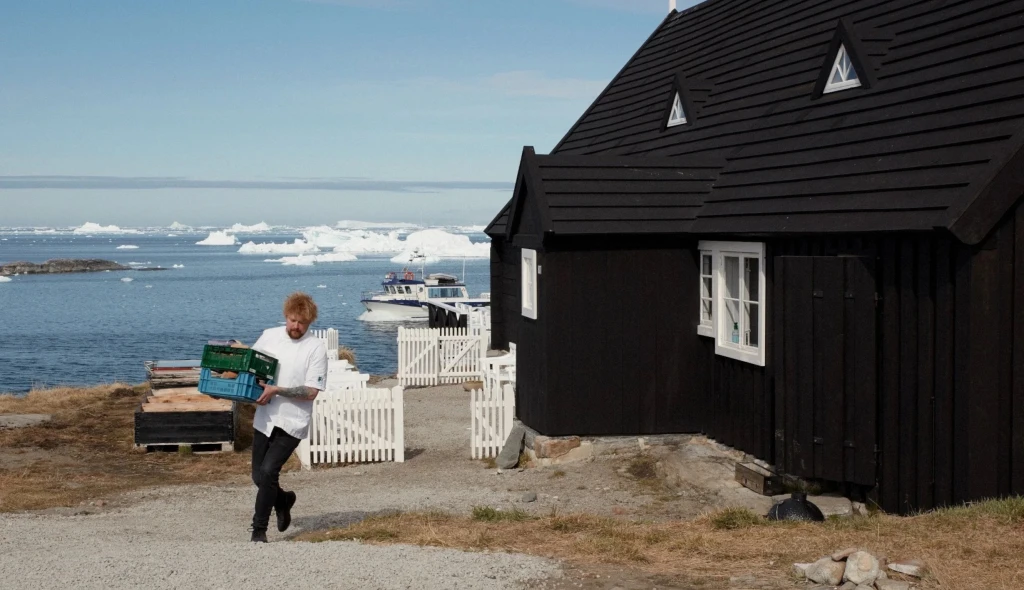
{"points": [[706, 327], [722, 334], [678, 114], [846, 83], [528, 280]]}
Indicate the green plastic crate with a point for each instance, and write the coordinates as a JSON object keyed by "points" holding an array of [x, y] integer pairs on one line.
{"points": [[239, 360]]}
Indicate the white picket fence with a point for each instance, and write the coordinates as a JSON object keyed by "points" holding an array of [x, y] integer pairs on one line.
{"points": [[356, 426], [493, 413], [428, 356], [330, 338]]}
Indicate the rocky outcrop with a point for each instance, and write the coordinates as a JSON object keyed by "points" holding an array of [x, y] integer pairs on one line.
{"points": [[63, 265]]}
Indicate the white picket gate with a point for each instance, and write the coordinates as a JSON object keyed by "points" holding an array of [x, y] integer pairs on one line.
{"points": [[493, 412], [356, 426], [428, 356]]}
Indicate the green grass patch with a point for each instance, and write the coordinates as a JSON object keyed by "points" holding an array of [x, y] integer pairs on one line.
{"points": [[489, 514], [731, 519]]}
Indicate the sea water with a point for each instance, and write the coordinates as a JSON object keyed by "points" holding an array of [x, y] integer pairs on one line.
{"points": [[92, 328]]}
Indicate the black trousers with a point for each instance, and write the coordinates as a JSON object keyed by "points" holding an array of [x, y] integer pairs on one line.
{"points": [[269, 454]]}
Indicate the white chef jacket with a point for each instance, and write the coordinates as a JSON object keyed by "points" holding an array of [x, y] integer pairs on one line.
{"points": [[299, 362]]}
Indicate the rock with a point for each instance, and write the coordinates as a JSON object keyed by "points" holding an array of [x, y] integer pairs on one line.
{"points": [[910, 567], [891, 585], [547, 447], [826, 571], [63, 265], [471, 385], [848, 586], [509, 455], [863, 587], [529, 497], [861, 568], [860, 509], [841, 555], [745, 580], [800, 569]]}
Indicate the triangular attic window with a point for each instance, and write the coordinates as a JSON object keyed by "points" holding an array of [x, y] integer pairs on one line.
{"points": [[843, 75], [678, 114]]}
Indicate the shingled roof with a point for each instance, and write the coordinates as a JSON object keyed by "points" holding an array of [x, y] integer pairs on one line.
{"points": [[932, 139]]}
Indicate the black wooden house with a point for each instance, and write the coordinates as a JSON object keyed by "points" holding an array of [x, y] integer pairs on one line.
{"points": [[795, 226]]}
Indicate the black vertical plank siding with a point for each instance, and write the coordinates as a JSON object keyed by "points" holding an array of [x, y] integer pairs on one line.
{"points": [[1004, 358], [889, 390], [925, 377], [852, 327], [799, 283], [964, 299], [766, 425], [1017, 457], [778, 306], [863, 341], [908, 376], [622, 341], [585, 357], [828, 350], [499, 339], [983, 403], [793, 302], [943, 422], [648, 292], [559, 277]]}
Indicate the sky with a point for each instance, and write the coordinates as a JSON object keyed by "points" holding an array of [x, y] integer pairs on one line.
{"points": [[292, 111]]}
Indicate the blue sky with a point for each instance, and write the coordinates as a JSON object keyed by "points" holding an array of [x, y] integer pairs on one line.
{"points": [[292, 111]]}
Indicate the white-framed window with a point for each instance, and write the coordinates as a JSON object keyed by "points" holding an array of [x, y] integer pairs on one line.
{"points": [[707, 290], [678, 114], [529, 283], [737, 295], [843, 74]]}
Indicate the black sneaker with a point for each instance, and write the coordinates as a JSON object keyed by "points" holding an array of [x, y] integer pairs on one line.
{"points": [[284, 513], [259, 536]]}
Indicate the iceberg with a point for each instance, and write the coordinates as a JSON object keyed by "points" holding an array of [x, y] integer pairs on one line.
{"points": [[178, 226], [300, 246], [177, 266], [89, 228], [5, 279], [127, 247], [415, 256], [352, 224], [218, 238], [259, 227], [127, 280], [310, 260]]}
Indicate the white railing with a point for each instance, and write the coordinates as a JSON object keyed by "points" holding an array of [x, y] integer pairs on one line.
{"points": [[330, 338], [493, 412], [428, 356], [355, 426]]}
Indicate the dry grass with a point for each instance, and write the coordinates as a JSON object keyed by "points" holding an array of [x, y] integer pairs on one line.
{"points": [[86, 451], [966, 548], [347, 354]]}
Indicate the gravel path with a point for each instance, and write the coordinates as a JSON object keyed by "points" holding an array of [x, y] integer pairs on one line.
{"points": [[197, 537]]}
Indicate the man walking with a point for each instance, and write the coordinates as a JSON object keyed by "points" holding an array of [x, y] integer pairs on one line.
{"points": [[282, 418]]}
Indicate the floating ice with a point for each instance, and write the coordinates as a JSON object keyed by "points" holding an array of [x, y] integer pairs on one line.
{"points": [[178, 226], [127, 247], [44, 231], [415, 256], [321, 286], [218, 238], [433, 243], [298, 247], [259, 227], [5, 279], [352, 224], [89, 228], [177, 266], [309, 260], [149, 286], [172, 235], [127, 279]]}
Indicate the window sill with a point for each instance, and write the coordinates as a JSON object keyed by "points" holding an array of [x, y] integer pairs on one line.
{"points": [[752, 356], [708, 331]]}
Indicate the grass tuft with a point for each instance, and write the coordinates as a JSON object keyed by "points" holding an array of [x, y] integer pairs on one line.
{"points": [[488, 514], [643, 467], [732, 519], [558, 473]]}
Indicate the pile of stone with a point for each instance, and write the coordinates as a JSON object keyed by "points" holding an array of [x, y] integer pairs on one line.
{"points": [[856, 569]]}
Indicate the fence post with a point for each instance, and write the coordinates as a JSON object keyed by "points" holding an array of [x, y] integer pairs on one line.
{"points": [[398, 402]]}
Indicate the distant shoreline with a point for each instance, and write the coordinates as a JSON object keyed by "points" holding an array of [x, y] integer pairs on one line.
{"points": [[65, 265]]}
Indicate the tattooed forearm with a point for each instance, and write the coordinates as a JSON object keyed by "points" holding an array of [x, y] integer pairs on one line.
{"points": [[297, 392]]}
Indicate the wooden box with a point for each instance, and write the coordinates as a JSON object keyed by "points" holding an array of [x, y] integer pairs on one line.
{"points": [[759, 479]]}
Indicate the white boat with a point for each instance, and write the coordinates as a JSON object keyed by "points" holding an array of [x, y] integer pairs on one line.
{"points": [[405, 297]]}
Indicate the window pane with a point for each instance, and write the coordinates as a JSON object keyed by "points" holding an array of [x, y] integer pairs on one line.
{"points": [[705, 267], [705, 310], [751, 276], [705, 287], [732, 321], [732, 277], [837, 77], [752, 337]]}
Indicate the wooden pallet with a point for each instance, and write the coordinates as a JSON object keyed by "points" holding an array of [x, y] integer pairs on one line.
{"points": [[170, 419]]}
